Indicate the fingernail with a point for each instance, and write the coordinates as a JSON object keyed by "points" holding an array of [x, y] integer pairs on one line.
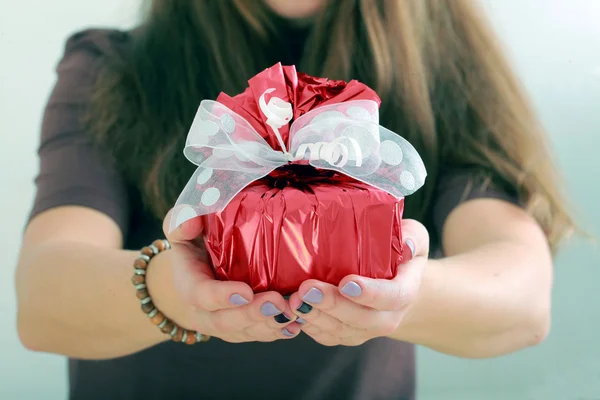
{"points": [[237, 300], [281, 318], [352, 289], [314, 296], [411, 246], [286, 332], [301, 321], [304, 308], [269, 310]]}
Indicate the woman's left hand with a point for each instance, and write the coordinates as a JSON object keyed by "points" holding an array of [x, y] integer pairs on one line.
{"points": [[360, 309]]}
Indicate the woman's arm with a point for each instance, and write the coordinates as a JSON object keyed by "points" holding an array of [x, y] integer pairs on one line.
{"points": [[74, 291], [491, 294], [75, 296]]}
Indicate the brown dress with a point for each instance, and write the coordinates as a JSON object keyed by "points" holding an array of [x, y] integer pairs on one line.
{"points": [[72, 172]]}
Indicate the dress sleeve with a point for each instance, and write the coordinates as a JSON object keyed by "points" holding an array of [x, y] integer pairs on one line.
{"points": [[460, 184], [72, 171]]}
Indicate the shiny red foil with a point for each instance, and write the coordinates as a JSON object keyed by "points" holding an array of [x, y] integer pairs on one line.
{"points": [[301, 223]]}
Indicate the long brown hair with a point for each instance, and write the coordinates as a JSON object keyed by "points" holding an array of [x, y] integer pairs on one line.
{"points": [[439, 70]]}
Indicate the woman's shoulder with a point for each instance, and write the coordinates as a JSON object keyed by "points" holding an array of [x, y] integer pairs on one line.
{"points": [[85, 48], [84, 54], [99, 41]]}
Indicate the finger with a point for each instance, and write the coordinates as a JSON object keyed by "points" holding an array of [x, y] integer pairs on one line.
{"points": [[315, 320], [316, 301], [261, 332], [320, 322], [385, 294], [272, 308], [197, 286], [393, 294], [264, 333], [347, 319], [284, 315], [189, 230], [262, 310], [416, 239], [292, 330], [231, 333]]}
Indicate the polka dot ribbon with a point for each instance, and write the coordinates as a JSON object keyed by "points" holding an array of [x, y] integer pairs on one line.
{"points": [[344, 137]]}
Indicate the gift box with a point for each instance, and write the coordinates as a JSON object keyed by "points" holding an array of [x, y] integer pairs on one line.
{"points": [[297, 180]]}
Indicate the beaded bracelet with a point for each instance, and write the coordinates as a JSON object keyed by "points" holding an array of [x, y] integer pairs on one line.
{"points": [[177, 333]]}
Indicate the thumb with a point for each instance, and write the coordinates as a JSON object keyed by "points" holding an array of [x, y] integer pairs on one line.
{"points": [[189, 230], [416, 240]]}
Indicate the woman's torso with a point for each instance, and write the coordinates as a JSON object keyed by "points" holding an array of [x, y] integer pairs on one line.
{"points": [[294, 369], [73, 172]]}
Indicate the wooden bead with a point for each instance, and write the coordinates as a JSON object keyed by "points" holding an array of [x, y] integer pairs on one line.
{"points": [[158, 318], [147, 251], [140, 263], [178, 335], [205, 338], [160, 245], [137, 279], [146, 308], [168, 327], [141, 294], [191, 338]]}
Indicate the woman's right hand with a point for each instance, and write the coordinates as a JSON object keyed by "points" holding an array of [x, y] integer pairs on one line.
{"points": [[184, 288]]}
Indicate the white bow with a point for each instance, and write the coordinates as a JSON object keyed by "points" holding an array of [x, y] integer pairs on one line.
{"points": [[344, 137]]}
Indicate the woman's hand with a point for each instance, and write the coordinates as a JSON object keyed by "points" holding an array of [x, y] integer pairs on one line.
{"points": [[227, 310], [360, 309]]}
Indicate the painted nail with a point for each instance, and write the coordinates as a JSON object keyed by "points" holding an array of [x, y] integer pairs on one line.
{"points": [[287, 333], [269, 310], [301, 321], [314, 296], [352, 289], [281, 318], [304, 308], [237, 300], [411, 246]]}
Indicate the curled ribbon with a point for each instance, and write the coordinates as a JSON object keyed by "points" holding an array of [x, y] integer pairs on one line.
{"points": [[344, 137], [278, 113], [330, 152]]}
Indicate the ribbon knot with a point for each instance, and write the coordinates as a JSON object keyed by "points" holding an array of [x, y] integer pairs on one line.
{"points": [[331, 152], [344, 137]]}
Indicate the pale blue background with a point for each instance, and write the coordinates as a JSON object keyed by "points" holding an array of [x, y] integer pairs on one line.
{"points": [[555, 45]]}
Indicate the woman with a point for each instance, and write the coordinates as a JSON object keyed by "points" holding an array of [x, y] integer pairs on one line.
{"points": [[111, 165]]}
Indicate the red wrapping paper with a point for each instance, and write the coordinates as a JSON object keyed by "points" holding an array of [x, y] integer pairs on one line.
{"points": [[300, 223]]}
